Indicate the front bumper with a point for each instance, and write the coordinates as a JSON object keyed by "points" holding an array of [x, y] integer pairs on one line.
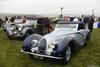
{"points": [[15, 34], [40, 55]]}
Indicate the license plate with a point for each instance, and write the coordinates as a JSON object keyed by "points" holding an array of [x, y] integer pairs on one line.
{"points": [[38, 57]]}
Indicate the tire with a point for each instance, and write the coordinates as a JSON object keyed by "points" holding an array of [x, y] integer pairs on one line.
{"points": [[27, 33], [9, 36], [4, 30], [88, 38], [27, 45], [67, 55]]}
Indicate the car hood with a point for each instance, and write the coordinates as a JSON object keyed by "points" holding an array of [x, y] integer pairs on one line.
{"points": [[27, 24], [57, 35]]}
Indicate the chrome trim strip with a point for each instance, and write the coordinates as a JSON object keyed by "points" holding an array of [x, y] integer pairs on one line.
{"points": [[41, 55]]}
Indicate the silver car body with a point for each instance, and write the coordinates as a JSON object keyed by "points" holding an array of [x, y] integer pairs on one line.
{"points": [[18, 29]]}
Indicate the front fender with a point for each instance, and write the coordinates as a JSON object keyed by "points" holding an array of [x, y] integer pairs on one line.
{"points": [[63, 44], [26, 29]]}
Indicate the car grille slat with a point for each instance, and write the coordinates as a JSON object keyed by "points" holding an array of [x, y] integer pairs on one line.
{"points": [[42, 45]]}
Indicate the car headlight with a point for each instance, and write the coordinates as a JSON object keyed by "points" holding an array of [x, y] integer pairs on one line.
{"points": [[19, 27], [34, 43], [51, 45], [12, 27]]}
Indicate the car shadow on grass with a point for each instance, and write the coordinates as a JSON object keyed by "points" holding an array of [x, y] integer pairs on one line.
{"points": [[52, 62], [18, 39]]}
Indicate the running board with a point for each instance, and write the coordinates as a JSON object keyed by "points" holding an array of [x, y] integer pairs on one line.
{"points": [[41, 55]]}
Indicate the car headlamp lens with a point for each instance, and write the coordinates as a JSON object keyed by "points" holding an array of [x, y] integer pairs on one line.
{"points": [[12, 27], [19, 28], [51, 45]]}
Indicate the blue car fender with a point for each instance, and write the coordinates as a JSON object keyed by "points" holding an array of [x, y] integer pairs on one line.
{"points": [[63, 45]]}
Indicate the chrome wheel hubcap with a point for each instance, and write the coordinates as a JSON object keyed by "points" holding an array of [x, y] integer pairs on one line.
{"points": [[68, 54]]}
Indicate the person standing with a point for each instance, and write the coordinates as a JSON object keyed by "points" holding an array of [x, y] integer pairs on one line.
{"points": [[24, 19], [12, 19], [90, 23], [81, 18], [85, 21], [66, 19], [6, 18]]}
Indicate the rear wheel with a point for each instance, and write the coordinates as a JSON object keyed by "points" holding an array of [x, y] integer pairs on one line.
{"points": [[88, 38], [4, 30], [9, 36]]}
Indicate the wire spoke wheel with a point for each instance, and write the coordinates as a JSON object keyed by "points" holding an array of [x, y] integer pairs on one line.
{"points": [[68, 54]]}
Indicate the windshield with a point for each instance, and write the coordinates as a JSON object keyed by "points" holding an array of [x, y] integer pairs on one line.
{"points": [[74, 26]]}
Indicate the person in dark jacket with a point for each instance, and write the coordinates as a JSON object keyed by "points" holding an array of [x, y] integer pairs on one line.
{"points": [[43, 26], [47, 25], [24, 18], [71, 18], [6, 18], [12, 19], [85, 20], [90, 23]]}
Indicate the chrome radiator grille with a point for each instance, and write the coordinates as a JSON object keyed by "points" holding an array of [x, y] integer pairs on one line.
{"points": [[42, 45]]}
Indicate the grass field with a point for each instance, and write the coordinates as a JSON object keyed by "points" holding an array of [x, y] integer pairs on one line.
{"points": [[10, 55]]}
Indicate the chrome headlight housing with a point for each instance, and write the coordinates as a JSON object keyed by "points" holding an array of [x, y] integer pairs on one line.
{"points": [[12, 27], [51, 45], [19, 27], [34, 43]]}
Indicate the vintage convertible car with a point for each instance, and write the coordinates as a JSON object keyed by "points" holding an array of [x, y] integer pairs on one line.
{"points": [[59, 44], [19, 29]]}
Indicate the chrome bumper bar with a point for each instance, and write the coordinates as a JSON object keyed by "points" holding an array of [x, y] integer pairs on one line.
{"points": [[41, 55]]}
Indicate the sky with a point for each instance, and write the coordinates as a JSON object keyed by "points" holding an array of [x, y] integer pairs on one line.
{"points": [[50, 6]]}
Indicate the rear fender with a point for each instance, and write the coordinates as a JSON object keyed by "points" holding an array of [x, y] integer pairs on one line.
{"points": [[26, 29]]}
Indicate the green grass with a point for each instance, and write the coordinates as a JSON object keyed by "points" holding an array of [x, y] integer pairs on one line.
{"points": [[10, 55]]}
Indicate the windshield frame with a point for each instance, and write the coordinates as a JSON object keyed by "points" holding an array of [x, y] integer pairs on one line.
{"points": [[68, 26]]}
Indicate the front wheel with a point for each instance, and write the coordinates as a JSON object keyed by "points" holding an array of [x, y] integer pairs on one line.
{"points": [[27, 34], [67, 55], [30, 41], [9, 36]]}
